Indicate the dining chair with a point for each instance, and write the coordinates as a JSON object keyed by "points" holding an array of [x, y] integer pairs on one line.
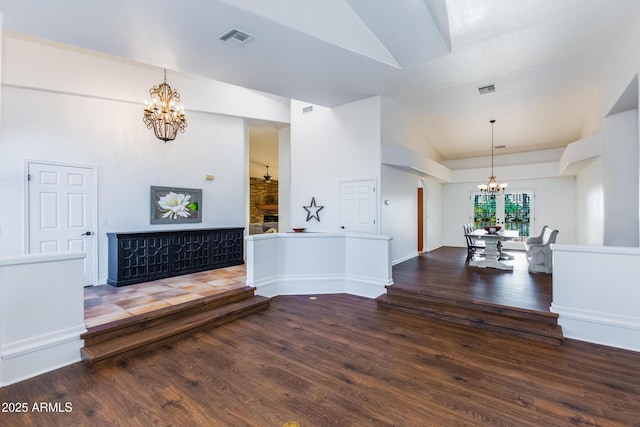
{"points": [[474, 246]]}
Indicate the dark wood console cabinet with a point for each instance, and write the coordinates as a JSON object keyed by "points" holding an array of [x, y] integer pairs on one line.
{"points": [[152, 255]]}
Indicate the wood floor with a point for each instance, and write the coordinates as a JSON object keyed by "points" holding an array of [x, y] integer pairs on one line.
{"points": [[443, 273], [339, 360], [440, 284]]}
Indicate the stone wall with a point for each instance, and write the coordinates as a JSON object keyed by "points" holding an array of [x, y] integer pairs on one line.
{"points": [[263, 199]]}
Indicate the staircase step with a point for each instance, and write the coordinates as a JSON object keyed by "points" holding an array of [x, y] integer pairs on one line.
{"points": [[165, 328], [141, 322], [479, 316], [483, 306]]}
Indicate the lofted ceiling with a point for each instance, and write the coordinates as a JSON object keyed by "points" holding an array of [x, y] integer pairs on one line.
{"points": [[543, 56]]}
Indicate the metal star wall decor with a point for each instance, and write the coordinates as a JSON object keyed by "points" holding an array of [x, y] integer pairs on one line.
{"points": [[313, 211]]}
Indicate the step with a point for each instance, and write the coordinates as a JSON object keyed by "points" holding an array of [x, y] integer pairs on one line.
{"points": [[162, 332], [129, 325], [467, 315], [523, 313]]}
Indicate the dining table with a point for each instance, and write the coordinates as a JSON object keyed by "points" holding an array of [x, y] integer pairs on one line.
{"points": [[492, 253]]}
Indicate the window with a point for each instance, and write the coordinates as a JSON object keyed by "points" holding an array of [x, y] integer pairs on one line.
{"points": [[512, 210]]}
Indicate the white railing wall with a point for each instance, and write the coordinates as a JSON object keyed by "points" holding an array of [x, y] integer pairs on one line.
{"points": [[596, 292], [318, 263], [41, 313]]}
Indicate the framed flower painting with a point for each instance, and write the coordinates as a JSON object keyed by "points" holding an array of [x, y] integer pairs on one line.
{"points": [[171, 205]]}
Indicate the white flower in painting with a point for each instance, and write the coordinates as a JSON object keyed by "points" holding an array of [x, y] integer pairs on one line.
{"points": [[174, 206]]}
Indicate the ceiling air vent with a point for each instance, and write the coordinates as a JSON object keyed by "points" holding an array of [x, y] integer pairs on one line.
{"points": [[487, 89], [307, 110], [236, 36]]}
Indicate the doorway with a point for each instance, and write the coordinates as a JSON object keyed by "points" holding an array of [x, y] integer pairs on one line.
{"points": [[512, 210], [263, 179], [62, 212], [420, 220]]}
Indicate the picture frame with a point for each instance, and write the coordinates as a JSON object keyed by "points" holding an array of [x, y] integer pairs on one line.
{"points": [[175, 205]]}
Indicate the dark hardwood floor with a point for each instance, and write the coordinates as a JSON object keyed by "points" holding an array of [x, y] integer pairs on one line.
{"points": [[443, 273], [339, 360]]}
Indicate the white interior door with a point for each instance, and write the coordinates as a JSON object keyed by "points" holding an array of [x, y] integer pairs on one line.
{"points": [[62, 212], [358, 206]]}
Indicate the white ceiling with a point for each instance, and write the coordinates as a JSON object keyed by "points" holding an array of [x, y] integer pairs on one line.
{"points": [[544, 56]]}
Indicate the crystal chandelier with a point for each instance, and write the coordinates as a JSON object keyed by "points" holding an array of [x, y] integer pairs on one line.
{"points": [[492, 188], [162, 114]]}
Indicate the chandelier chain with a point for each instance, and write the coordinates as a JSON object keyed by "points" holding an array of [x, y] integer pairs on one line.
{"points": [[492, 188]]}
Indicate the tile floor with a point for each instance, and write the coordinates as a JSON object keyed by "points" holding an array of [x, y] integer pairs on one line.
{"points": [[106, 303]]}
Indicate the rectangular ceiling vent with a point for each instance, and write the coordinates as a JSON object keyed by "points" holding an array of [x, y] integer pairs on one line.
{"points": [[487, 89], [236, 36], [307, 110]]}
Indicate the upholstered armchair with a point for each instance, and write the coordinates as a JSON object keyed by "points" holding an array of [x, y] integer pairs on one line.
{"points": [[539, 251], [534, 240]]}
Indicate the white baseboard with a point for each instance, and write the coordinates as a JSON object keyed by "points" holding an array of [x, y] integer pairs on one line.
{"points": [[34, 356], [366, 287], [307, 285], [265, 287], [317, 285], [599, 328], [403, 259]]}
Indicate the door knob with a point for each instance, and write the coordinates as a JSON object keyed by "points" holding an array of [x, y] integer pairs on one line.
{"points": [[88, 233]]}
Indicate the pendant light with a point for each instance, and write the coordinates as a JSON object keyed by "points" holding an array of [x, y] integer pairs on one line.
{"points": [[492, 188]]}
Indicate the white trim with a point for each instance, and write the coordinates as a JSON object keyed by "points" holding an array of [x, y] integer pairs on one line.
{"points": [[94, 220], [42, 342], [265, 287], [307, 285], [365, 286], [40, 258], [600, 328], [614, 250], [405, 258], [597, 317], [320, 284], [36, 363], [433, 248]]}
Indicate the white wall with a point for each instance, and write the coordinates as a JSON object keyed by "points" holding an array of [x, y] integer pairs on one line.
{"points": [[619, 69], [554, 206], [329, 146], [620, 157], [590, 205], [87, 109], [434, 214], [398, 129], [399, 217], [399, 186], [284, 179]]}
